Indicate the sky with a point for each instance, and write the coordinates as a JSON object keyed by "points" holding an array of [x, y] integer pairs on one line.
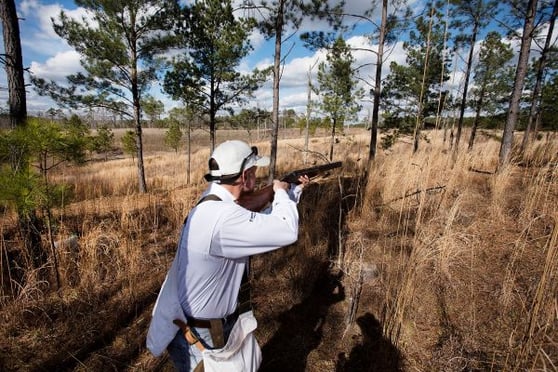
{"points": [[50, 57]]}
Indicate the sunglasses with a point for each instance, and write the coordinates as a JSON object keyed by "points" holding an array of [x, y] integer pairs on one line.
{"points": [[246, 159]]}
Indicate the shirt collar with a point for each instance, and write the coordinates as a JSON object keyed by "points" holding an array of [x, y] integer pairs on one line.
{"points": [[217, 189]]}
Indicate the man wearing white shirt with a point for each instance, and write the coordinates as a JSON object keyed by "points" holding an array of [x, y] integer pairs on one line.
{"points": [[201, 290]]}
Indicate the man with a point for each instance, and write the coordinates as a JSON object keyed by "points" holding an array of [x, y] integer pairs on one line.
{"points": [[201, 291]]}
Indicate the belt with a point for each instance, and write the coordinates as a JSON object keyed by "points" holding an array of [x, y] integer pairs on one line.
{"points": [[206, 323]]}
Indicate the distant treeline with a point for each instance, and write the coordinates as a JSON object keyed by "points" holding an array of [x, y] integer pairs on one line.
{"points": [[259, 119]]}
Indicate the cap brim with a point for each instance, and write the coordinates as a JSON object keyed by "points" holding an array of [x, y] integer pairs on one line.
{"points": [[257, 161], [263, 161]]}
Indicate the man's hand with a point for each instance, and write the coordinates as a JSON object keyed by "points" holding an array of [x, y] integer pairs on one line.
{"points": [[304, 180], [278, 185], [190, 337]]}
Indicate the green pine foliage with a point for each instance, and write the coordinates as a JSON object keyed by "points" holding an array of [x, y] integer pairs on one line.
{"points": [[337, 87], [129, 144], [40, 146], [413, 89], [103, 142], [206, 75], [173, 136]]}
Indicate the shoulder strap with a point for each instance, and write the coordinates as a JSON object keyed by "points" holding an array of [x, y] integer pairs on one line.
{"points": [[211, 197]]}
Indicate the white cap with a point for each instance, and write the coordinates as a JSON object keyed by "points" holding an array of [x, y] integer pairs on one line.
{"points": [[231, 158]]}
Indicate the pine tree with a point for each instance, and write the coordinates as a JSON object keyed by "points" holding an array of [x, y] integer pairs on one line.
{"points": [[153, 109], [44, 145], [278, 17], [337, 87], [13, 62], [519, 81], [412, 91], [173, 136], [119, 47], [205, 76], [394, 17], [493, 79], [471, 16], [540, 67]]}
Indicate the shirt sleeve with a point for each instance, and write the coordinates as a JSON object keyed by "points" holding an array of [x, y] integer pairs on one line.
{"points": [[242, 233], [295, 191]]}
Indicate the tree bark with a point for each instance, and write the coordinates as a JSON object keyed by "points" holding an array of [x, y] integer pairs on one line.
{"points": [[466, 86], [276, 80], [536, 98], [137, 108], [139, 140], [477, 119], [520, 73], [332, 142], [13, 61], [377, 89]]}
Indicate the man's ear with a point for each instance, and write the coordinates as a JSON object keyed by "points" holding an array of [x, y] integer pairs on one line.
{"points": [[241, 180]]}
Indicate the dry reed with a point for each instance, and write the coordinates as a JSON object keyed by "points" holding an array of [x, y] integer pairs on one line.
{"points": [[456, 262], [441, 231]]}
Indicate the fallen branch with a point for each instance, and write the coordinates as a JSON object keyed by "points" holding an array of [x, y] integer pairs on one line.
{"points": [[481, 171], [407, 195]]}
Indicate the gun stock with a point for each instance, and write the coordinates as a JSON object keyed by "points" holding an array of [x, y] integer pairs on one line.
{"points": [[257, 200]]}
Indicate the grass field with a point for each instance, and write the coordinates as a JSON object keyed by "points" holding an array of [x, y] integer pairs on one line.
{"points": [[435, 263]]}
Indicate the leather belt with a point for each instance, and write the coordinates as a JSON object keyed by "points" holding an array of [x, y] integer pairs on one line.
{"points": [[206, 323]]}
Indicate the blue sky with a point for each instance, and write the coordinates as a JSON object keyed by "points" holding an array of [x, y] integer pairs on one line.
{"points": [[49, 57]]}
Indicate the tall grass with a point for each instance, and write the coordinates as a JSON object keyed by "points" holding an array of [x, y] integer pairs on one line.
{"points": [[465, 256], [457, 262]]}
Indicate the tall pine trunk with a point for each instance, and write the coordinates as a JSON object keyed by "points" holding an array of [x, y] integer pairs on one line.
{"points": [[332, 142], [29, 224], [520, 73], [139, 140], [377, 88], [276, 81], [137, 108], [13, 62], [466, 85], [536, 97], [420, 111], [477, 118]]}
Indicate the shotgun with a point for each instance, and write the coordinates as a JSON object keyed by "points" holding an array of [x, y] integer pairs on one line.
{"points": [[257, 200]]}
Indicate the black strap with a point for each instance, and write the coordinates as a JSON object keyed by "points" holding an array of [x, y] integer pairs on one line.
{"points": [[211, 197], [244, 295]]}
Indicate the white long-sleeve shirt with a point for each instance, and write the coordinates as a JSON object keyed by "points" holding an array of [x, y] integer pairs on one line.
{"points": [[213, 249]]}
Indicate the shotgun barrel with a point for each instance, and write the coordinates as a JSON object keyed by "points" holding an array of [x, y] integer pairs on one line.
{"points": [[257, 200], [292, 177]]}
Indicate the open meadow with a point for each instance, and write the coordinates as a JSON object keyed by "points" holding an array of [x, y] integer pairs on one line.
{"points": [[435, 263]]}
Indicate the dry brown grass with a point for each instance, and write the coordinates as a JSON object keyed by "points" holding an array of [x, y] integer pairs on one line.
{"points": [[462, 267], [443, 266]]}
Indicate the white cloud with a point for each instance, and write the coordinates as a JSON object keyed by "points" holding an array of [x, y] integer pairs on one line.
{"points": [[39, 17], [38, 38], [257, 39], [296, 71], [51, 58], [57, 67], [38, 104], [294, 81]]}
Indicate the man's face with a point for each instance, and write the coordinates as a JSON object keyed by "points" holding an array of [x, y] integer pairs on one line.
{"points": [[249, 176]]}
